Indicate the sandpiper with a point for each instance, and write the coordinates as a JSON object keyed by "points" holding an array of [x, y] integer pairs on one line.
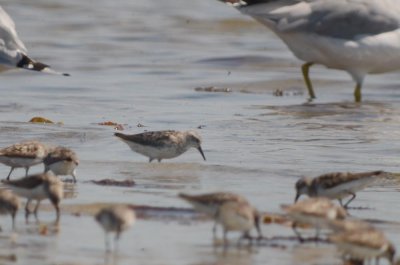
{"points": [[38, 187], [24, 154], [13, 53], [9, 204], [61, 161], [364, 244], [315, 212], [336, 185], [115, 219], [162, 144], [236, 216], [210, 204]]}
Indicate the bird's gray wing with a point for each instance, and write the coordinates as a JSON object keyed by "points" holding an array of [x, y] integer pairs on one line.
{"points": [[344, 19]]}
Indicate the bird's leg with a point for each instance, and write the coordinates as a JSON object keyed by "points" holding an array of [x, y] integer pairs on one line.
{"points": [[36, 210], [214, 229], [116, 239], [357, 93], [353, 195], [294, 227], [150, 159], [107, 242], [225, 238], [9, 174], [26, 171], [305, 68], [13, 219], [27, 211]]}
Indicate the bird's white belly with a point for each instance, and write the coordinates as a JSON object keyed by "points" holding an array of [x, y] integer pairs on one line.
{"points": [[368, 54], [62, 168], [343, 190], [37, 193], [156, 152], [20, 162]]}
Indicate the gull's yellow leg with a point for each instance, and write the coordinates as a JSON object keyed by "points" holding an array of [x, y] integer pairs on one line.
{"points": [[357, 93], [305, 68]]}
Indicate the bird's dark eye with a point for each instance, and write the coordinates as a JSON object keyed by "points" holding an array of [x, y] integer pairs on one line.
{"points": [[69, 159]]}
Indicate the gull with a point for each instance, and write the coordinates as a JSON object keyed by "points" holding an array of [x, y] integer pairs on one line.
{"points": [[358, 36], [13, 53]]}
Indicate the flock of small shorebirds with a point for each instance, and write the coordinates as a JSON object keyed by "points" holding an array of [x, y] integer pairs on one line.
{"points": [[356, 240]]}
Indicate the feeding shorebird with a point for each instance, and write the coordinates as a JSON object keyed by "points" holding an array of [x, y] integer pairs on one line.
{"points": [[364, 244], [38, 187], [162, 144], [24, 154], [210, 204], [115, 219], [61, 161], [315, 212], [336, 185], [13, 53], [357, 36], [9, 204], [237, 216]]}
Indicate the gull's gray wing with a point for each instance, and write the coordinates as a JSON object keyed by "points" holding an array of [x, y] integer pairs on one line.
{"points": [[344, 19]]}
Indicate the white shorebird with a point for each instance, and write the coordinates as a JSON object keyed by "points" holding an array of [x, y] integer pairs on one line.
{"points": [[24, 154], [210, 204], [13, 53], [317, 212], [336, 185], [115, 219], [364, 245], [358, 36], [162, 144], [61, 161], [38, 187]]}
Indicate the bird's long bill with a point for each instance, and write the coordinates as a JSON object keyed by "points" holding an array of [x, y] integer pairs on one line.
{"points": [[297, 197], [201, 152]]}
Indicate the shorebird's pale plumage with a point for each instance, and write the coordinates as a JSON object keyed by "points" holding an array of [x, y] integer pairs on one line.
{"points": [[336, 185], [210, 203], [13, 53], [61, 161], [316, 212], [162, 144], [115, 219], [38, 187], [236, 216], [364, 244], [358, 36], [24, 154]]}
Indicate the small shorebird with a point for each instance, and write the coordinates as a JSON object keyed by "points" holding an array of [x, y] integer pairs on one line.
{"points": [[61, 161], [364, 244], [24, 154], [357, 36], [336, 185], [162, 144], [210, 204], [9, 204], [115, 219], [236, 216], [315, 212], [38, 187], [13, 53]]}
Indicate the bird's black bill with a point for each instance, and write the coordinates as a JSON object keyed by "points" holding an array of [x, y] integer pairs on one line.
{"points": [[297, 197], [201, 152]]}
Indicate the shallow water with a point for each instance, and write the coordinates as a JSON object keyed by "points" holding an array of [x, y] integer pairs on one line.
{"points": [[139, 62]]}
